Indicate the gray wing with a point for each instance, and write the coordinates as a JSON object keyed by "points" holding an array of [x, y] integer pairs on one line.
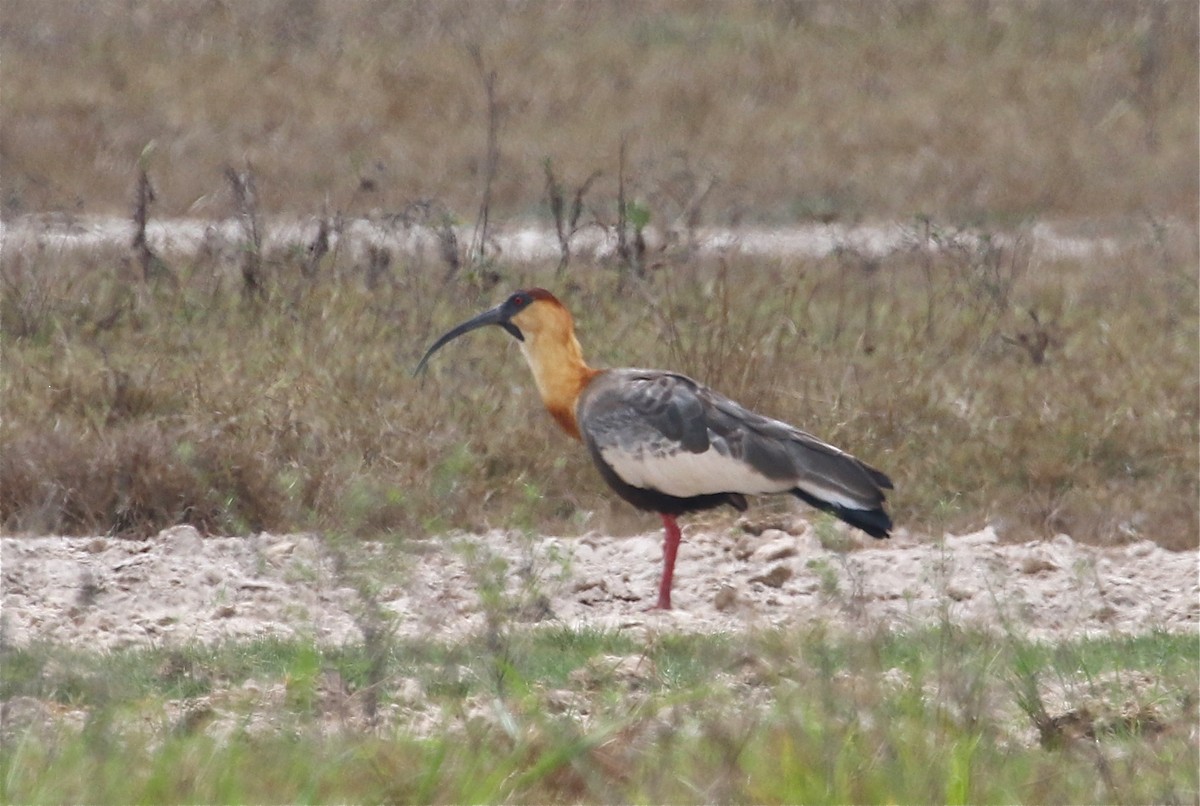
{"points": [[664, 431]]}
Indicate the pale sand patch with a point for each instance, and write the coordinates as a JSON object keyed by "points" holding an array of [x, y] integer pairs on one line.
{"points": [[179, 587]]}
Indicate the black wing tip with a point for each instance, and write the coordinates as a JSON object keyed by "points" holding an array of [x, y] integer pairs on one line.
{"points": [[875, 522], [878, 476]]}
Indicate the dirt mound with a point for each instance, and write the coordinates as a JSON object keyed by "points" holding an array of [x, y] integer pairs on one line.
{"points": [[180, 587]]}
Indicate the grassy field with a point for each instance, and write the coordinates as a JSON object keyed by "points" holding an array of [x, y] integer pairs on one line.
{"points": [[1043, 395], [939, 715], [240, 388], [963, 111]]}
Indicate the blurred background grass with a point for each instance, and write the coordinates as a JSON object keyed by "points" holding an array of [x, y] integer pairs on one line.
{"points": [[793, 110]]}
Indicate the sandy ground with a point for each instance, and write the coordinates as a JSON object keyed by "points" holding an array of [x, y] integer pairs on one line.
{"points": [[523, 242], [180, 587]]}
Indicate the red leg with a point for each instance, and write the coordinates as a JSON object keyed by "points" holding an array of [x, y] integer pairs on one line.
{"points": [[670, 549]]}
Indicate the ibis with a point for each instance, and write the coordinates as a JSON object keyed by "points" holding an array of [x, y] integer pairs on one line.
{"points": [[668, 444]]}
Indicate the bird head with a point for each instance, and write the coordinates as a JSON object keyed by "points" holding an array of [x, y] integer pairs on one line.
{"points": [[529, 312]]}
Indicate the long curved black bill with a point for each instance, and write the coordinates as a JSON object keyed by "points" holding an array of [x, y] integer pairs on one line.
{"points": [[495, 316]]}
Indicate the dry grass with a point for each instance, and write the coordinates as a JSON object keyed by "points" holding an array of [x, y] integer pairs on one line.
{"points": [[792, 110], [269, 387], [130, 406], [1044, 394]]}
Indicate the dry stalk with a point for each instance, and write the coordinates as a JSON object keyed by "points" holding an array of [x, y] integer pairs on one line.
{"points": [[317, 249], [565, 226], [631, 255], [691, 210], [926, 248], [433, 215], [1035, 341], [689, 189], [448, 246], [144, 197], [491, 157], [1149, 71], [379, 265], [245, 198]]}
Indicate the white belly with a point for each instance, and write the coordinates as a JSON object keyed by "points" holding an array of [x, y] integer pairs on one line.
{"points": [[684, 474]]}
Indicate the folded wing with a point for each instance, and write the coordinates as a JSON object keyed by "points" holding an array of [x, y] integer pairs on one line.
{"points": [[666, 433]]}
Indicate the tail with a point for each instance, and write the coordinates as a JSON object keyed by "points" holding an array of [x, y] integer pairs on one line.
{"points": [[875, 522]]}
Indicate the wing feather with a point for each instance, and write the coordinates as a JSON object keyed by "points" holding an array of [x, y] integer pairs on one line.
{"points": [[665, 431]]}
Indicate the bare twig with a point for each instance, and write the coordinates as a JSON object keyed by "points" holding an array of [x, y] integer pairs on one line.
{"points": [[433, 215], [565, 226], [1035, 341], [317, 249], [144, 196], [554, 195], [245, 198]]}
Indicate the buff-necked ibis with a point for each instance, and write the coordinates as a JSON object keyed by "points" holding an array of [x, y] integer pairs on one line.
{"points": [[670, 445]]}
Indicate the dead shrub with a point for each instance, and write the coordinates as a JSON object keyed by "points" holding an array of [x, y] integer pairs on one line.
{"points": [[134, 480]]}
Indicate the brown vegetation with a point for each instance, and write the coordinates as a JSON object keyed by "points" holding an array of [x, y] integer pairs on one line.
{"points": [[130, 406], [795, 110], [258, 387]]}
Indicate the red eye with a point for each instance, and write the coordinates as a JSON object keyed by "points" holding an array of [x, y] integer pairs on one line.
{"points": [[518, 300]]}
